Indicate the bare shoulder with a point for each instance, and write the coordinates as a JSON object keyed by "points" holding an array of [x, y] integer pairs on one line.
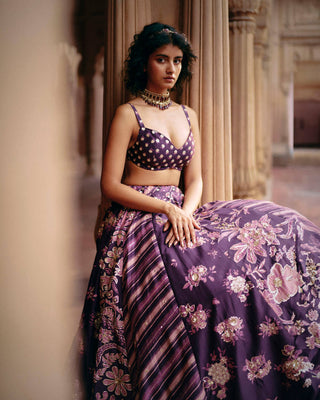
{"points": [[124, 118], [124, 111]]}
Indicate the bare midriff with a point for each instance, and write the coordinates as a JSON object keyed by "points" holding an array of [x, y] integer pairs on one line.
{"points": [[139, 176]]}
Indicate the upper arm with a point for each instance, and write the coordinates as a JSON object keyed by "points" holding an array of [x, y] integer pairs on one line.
{"points": [[120, 133], [193, 170]]}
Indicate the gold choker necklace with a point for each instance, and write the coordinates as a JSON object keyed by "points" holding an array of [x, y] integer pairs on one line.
{"points": [[162, 101]]}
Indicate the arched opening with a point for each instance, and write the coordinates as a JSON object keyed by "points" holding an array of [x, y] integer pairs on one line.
{"points": [[307, 105]]}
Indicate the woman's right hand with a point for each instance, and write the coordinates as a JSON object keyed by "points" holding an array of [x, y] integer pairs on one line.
{"points": [[182, 225]]}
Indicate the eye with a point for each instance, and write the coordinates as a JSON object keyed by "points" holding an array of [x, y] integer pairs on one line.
{"points": [[160, 60], [177, 61]]}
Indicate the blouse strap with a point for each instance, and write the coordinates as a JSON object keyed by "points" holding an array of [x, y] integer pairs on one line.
{"points": [[186, 113], [137, 116]]}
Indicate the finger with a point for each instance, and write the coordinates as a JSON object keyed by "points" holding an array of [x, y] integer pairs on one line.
{"points": [[180, 236], [166, 226], [187, 234], [173, 240], [196, 223], [193, 236], [169, 237], [175, 231]]}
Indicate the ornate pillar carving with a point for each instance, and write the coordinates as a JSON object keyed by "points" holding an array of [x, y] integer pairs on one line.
{"points": [[242, 28], [206, 25], [124, 19]]}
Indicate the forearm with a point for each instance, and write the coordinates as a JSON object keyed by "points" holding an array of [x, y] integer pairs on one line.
{"points": [[131, 198], [192, 196]]}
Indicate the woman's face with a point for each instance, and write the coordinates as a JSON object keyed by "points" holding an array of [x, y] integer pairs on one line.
{"points": [[163, 68]]}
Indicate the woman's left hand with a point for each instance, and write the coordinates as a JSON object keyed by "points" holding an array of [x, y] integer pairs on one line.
{"points": [[186, 226]]}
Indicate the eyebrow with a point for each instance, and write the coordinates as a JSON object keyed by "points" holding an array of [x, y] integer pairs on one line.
{"points": [[165, 55]]}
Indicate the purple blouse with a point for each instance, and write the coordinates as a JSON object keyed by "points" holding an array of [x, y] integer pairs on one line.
{"points": [[154, 151]]}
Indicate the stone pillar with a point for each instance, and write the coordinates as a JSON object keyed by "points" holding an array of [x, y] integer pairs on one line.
{"points": [[206, 26], [97, 117], [242, 28], [124, 19], [262, 109]]}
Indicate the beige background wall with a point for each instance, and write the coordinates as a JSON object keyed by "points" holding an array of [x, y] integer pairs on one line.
{"points": [[37, 205]]}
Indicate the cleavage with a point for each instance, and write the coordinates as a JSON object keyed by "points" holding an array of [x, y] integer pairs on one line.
{"points": [[155, 131]]}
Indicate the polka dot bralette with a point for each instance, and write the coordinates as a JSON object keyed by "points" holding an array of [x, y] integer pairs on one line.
{"points": [[154, 151]]}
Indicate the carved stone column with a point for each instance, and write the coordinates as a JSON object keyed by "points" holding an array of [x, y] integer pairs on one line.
{"points": [[262, 110], [242, 28], [206, 26], [97, 116], [124, 19]]}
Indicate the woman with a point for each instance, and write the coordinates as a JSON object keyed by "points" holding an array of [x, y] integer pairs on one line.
{"points": [[185, 303]]}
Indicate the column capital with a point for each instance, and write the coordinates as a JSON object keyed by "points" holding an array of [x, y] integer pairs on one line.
{"points": [[242, 9], [242, 15]]}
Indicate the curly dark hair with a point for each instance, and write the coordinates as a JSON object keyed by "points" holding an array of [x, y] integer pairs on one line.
{"points": [[145, 43]]}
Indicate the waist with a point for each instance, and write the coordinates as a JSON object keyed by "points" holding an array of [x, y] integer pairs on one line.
{"points": [[137, 176]]}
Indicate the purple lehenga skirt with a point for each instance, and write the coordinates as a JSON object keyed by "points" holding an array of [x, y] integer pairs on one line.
{"points": [[234, 317]]}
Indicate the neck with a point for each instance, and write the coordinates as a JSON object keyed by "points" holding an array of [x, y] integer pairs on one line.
{"points": [[160, 92]]}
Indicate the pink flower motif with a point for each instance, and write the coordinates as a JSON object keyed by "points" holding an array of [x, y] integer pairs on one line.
{"points": [[295, 367], [272, 251], [105, 336], [106, 282], [253, 236], [296, 329], [197, 318], [238, 285], [196, 274], [174, 263], [269, 328], [288, 350], [283, 282], [230, 329], [117, 381], [313, 340], [113, 256], [214, 235], [119, 236], [313, 315], [257, 367], [185, 310], [220, 372], [105, 396]]}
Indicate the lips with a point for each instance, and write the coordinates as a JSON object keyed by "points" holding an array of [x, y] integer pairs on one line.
{"points": [[169, 79]]}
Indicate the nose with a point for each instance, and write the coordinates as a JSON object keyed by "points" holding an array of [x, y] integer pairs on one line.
{"points": [[170, 67]]}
